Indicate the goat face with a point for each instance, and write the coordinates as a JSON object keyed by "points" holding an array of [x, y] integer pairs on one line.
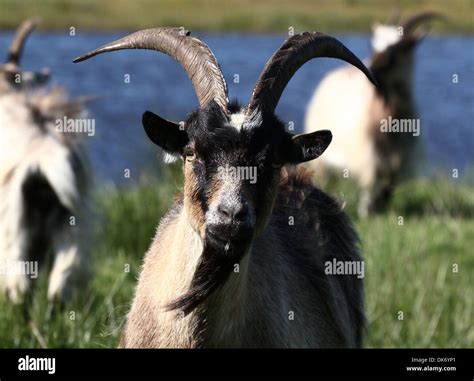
{"points": [[392, 61], [393, 49], [231, 165]]}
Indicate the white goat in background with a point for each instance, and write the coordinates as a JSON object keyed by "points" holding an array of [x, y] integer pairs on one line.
{"points": [[355, 111], [43, 182]]}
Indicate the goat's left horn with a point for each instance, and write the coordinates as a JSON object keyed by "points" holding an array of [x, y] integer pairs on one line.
{"points": [[412, 23], [22, 33], [286, 61]]}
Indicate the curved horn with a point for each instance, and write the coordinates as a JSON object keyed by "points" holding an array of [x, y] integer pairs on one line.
{"points": [[286, 61], [16, 47], [411, 23], [192, 54]]}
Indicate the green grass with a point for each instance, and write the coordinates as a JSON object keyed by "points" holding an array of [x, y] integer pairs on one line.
{"points": [[417, 197], [229, 15], [409, 268]]}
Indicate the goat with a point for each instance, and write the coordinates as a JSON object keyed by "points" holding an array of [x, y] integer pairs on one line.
{"points": [[238, 263], [44, 182], [377, 157], [10, 73]]}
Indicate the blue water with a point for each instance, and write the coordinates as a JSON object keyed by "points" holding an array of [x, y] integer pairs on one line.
{"points": [[157, 83]]}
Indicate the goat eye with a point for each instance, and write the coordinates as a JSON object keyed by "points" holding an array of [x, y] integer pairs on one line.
{"points": [[189, 154]]}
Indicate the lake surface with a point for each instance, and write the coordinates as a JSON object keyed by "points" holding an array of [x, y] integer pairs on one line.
{"points": [[158, 84]]}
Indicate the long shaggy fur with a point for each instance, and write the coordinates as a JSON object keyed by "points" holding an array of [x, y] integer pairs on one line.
{"points": [[44, 182]]}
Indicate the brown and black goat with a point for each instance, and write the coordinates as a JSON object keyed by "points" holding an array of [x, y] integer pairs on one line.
{"points": [[239, 259]]}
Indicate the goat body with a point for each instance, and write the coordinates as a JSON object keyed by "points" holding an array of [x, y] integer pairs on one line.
{"points": [[279, 294]]}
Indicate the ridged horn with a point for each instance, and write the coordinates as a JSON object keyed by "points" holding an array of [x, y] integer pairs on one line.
{"points": [[192, 54], [286, 61]]}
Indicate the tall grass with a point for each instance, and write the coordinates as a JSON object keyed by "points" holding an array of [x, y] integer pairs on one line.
{"points": [[419, 272]]}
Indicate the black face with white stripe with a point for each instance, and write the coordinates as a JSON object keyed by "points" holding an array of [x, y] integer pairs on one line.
{"points": [[230, 175], [232, 168]]}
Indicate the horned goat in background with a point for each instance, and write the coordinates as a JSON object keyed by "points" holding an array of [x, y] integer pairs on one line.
{"points": [[239, 259], [44, 183], [11, 76], [375, 128]]}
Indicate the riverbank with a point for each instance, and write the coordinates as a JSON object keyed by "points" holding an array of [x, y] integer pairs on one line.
{"points": [[231, 15]]}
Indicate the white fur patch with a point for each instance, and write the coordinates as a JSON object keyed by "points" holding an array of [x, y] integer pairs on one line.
{"points": [[384, 36], [237, 120], [167, 157], [242, 120]]}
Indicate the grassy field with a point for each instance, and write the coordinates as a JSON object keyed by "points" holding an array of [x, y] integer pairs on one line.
{"points": [[409, 269], [230, 15]]}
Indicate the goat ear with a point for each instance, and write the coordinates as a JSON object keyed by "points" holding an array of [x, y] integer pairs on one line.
{"points": [[170, 136], [307, 147]]}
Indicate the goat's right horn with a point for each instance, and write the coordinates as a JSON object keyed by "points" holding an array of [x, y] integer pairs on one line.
{"points": [[22, 33], [192, 54], [411, 23]]}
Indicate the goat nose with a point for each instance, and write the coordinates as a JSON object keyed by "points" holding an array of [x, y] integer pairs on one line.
{"points": [[232, 213]]}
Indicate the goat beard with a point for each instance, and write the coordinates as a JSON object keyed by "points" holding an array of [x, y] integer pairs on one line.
{"points": [[212, 271]]}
